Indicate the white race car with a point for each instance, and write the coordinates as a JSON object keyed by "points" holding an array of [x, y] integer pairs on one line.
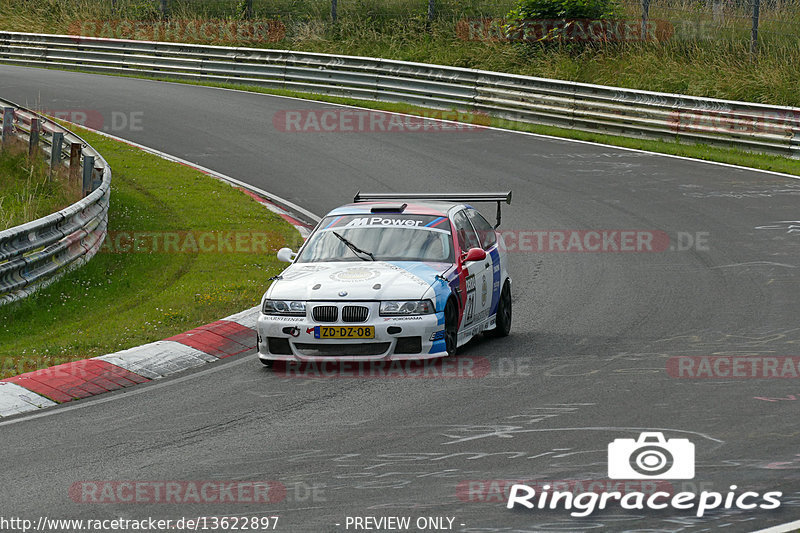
{"points": [[386, 279]]}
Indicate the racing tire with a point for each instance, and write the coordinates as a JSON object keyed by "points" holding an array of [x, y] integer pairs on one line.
{"points": [[503, 324], [451, 328]]}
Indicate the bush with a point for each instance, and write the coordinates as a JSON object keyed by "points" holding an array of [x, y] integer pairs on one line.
{"points": [[521, 22], [563, 9]]}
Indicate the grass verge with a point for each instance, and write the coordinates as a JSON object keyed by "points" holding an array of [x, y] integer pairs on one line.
{"points": [[185, 268], [28, 191]]}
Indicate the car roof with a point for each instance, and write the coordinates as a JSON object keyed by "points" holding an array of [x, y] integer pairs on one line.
{"points": [[440, 209]]}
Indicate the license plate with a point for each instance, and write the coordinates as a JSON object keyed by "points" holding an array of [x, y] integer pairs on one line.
{"points": [[344, 332]]}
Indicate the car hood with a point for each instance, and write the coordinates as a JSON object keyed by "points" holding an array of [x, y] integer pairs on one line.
{"points": [[374, 280]]}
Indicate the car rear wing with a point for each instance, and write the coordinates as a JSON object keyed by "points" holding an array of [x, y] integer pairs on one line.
{"points": [[455, 197]]}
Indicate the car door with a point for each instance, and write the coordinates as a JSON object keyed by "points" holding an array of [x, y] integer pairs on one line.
{"points": [[488, 240], [476, 274]]}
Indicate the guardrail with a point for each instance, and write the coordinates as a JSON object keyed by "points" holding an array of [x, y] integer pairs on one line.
{"points": [[36, 253], [592, 108]]}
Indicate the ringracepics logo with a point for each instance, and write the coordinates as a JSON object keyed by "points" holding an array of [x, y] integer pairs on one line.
{"points": [[650, 457]]}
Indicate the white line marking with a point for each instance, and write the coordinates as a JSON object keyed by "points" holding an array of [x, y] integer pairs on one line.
{"points": [[783, 528]]}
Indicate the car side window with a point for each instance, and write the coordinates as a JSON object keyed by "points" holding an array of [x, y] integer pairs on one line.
{"points": [[466, 234], [486, 232]]}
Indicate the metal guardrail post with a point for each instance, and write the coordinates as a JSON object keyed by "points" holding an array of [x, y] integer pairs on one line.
{"points": [[57, 144], [8, 124], [88, 171], [36, 253], [334, 13], [97, 178], [33, 138], [75, 150], [645, 17], [754, 31]]}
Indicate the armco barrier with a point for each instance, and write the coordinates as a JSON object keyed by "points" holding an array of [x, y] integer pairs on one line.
{"points": [[34, 254], [592, 108]]}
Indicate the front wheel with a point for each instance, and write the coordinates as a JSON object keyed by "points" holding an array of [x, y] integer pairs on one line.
{"points": [[267, 363], [503, 327], [451, 328]]}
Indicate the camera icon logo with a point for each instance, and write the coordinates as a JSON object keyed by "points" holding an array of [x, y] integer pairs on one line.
{"points": [[651, 457]]}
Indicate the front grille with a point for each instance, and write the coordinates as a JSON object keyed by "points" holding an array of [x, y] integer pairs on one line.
{"points": [[342, 350], [325, 313], [354, 313]]}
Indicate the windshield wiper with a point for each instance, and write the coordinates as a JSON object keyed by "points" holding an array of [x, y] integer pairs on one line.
{"points": [[356, 250]]}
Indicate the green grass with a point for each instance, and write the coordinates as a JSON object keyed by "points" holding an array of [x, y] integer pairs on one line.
{"points": [[27, 191], [123, 299]]}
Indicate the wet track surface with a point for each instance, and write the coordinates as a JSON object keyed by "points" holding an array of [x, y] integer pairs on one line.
{"points": [[586, 363]]}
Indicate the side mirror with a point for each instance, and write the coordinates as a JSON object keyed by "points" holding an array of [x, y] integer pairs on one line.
{"points": [[286, 255], [474, 254]]}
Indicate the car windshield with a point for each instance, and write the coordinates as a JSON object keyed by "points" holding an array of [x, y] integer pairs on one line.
{"points": [[386, 236]]}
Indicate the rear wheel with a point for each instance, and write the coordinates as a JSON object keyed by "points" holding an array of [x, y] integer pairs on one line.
{"points": [[503, 327], [451, 327]]}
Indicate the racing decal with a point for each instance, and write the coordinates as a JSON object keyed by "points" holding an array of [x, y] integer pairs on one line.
{"points": [[437, 222], [310, 330], [438, 346], [355, 274], [426, 275], [406, 273], [386, 220], [496, 279], [484, 292], [469, 305], [298, 271]]}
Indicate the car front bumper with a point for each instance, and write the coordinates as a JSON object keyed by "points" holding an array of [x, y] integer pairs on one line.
{"points": [[396, 338]]}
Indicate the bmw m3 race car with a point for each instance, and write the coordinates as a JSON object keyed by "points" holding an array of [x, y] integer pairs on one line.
{"points": [[389, 277]]}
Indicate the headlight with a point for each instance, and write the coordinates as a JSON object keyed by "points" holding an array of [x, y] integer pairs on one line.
{"points": [[406, 307], [284, 308]]}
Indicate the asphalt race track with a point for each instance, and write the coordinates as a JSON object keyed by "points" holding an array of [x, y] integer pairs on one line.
{"points": [[586, 362]]}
